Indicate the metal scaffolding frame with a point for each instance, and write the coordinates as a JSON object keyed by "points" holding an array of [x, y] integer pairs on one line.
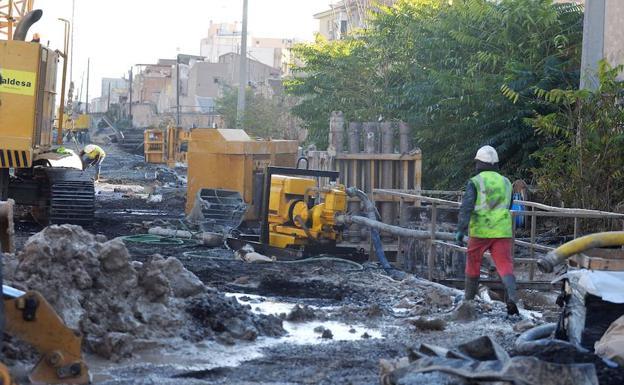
{"points": [[11, 12]]}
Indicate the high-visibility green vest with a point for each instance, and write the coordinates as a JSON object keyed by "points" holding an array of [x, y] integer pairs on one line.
{"points": [[491, 217]]}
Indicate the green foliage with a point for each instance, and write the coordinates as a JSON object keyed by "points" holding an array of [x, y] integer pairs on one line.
{"points": [[583, 166], [336, 76], [264, 117], [461, 73]]}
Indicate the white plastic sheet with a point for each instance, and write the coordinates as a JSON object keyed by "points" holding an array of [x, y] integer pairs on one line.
{"points": [[608, 285]]}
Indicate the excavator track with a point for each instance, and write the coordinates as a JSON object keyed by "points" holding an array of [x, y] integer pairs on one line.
{"points": [[72, 197]]}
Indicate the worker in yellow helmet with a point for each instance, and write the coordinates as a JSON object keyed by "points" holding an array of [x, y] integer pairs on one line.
{"points": [[93, 155]]}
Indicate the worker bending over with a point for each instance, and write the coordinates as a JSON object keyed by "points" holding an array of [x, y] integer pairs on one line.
{"points": [[93, 155], [485, 211]]}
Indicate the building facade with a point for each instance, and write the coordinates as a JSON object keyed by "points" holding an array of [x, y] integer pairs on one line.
{"points": [[225, 38], [346, 16]]}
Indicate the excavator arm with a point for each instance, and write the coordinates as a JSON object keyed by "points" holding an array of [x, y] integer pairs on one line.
{"points": [[30, 318]]}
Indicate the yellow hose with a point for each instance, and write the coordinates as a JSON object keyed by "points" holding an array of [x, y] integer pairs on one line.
{"points": [[579, 245]]}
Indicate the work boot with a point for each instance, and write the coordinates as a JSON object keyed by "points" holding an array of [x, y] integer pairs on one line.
{"points": [[511, 300], [471, 287]]}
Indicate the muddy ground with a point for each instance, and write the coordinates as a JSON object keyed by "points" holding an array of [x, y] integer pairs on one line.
{"points": [[369, 315]]}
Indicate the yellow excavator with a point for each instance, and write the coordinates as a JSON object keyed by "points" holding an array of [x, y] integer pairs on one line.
{"points": [[33, 172]]}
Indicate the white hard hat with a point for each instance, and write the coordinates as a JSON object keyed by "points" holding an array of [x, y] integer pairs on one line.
{"points": [[89, 148], [487, 154]]}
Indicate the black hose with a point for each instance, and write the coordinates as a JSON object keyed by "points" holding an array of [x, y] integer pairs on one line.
{"points": [[25, 23], [371, 213], [539, 339]]}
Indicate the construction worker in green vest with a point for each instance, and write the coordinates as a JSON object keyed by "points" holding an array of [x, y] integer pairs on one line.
{"points": [[92, 156], [485, 214]]}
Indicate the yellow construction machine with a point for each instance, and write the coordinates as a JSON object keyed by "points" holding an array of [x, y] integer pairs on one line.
{"points": [[30, 166], [299, 216], [166, 146], [255, 191], [294, 218], [30, 318]]}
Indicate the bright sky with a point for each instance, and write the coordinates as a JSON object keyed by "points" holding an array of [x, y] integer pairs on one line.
{"points": [[116, 34]]}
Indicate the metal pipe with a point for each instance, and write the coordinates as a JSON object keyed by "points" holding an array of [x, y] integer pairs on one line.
{"points": [[395, 230], [404, 131], [65, 55], [25, 23], [370, 137], [336, 132], [242, 76], [579, 245], [353, 144], [353, 137], [387, 147]]}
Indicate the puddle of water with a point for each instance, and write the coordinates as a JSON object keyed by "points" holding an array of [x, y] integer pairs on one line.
{"points": [[206, 355], [302, 333], [187, 358]]}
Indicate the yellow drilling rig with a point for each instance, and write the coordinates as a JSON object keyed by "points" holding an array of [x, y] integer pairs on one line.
{"points": [[30, 166]]}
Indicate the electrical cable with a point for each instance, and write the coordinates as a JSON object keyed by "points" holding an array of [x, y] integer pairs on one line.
{"points": [[359, 267], [151, 239]]}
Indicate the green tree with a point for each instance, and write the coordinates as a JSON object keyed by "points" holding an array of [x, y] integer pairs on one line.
{"points": [[583, 167], [264, 117], [335, 76], [462, 73]]}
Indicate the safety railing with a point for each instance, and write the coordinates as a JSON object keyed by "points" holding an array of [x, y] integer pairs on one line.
{"points": [[532, 211]]}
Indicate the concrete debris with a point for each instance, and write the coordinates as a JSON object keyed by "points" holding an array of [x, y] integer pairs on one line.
{"points": [[327, 334], [301, 314], [465, 312], [428, 323], [155, 198], [118, 304], [438, 298], [205, 238], [249, 255], [7, 227]]}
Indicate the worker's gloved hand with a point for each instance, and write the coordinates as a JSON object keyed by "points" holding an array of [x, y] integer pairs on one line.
{"points": [[459, 238]]}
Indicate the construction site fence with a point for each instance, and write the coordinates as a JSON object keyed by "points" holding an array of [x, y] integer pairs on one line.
{"points": [[445, 261]]}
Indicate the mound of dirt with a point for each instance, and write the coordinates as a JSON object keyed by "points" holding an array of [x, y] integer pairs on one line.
{"points": [[120, 305]]}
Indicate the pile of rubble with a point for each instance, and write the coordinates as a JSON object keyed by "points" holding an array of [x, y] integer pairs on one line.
{"points": [[120, 305]]}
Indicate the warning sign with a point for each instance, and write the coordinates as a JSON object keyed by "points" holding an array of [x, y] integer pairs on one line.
{"points": [[17, 82]]}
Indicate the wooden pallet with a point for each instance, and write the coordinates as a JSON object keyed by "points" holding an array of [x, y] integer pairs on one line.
{"points": [[599, 259]]}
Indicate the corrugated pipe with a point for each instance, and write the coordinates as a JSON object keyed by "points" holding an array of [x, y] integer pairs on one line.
{"points": [[539, 339], [579, 245], [25, 23]]}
